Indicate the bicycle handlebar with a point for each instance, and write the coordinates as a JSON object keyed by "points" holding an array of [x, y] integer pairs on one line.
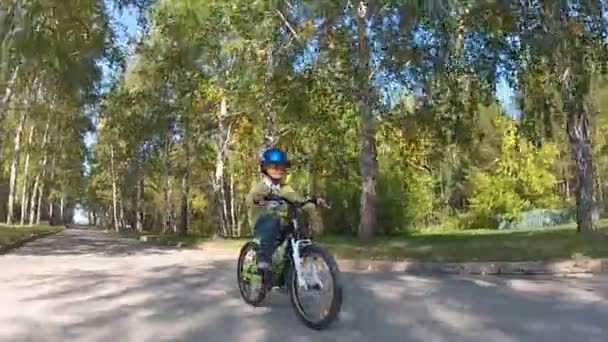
{"points": [[278, 198]]}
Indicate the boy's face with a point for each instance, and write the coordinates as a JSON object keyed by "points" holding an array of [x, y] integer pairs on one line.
{"points": [[276, 171]]}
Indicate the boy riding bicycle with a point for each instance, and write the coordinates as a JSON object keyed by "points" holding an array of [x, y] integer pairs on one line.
{"points": [[268, 221]]}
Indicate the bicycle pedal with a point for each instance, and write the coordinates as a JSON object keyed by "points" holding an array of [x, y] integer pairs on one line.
{"points": [[315, 287]]}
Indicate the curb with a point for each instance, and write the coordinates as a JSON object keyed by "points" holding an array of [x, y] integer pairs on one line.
{"points": [[575, 266], [21, 242], [153, 239]]}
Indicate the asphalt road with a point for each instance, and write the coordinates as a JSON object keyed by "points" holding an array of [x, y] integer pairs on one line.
{"points": [[84, 285]]}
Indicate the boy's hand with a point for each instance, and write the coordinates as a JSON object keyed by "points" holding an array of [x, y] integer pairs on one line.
{"points": [[259, 199]]}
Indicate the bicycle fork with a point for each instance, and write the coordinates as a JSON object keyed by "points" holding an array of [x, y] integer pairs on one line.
{"points": [[297, 260]]}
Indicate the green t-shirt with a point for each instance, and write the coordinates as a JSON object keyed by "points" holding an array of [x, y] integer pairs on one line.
{"points": [[264, 187]]}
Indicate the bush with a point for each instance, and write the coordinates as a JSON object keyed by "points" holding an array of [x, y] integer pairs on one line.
{"points": [[405, 198], [493, 195], [539, 218], [521, 179]]}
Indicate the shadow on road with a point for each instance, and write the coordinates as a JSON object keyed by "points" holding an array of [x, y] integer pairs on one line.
{"points": [[201, 303], [72, 241], [131, 291]]}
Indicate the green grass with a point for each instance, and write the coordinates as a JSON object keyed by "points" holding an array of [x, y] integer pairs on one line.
{"points": [[561, 242], [475, 245], [10, 235]]}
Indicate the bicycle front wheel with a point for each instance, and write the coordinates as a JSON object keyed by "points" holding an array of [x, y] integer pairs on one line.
{"points": [[327, 290]]}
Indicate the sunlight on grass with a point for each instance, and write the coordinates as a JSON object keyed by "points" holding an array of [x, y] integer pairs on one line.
{"points": [[560, 242], [476, 245]]}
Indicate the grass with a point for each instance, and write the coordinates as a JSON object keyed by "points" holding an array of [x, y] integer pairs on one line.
{"points": [[11, 235], [561, 242], [475, 245]]}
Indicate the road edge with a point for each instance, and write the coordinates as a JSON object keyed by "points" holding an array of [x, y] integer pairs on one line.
{"points": [[576, 265], [558, 267], [31, 238]]}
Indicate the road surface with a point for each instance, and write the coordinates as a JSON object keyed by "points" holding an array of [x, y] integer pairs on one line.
{"points": [[84, 285]]}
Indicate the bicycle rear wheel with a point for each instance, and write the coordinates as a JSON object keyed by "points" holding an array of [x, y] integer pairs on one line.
{"points": [[249, 279]]}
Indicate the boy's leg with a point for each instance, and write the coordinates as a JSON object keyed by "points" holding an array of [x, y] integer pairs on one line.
{"points": [[267, 228]]}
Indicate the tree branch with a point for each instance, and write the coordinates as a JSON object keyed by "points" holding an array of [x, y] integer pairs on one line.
{"points": [[288, 24]]}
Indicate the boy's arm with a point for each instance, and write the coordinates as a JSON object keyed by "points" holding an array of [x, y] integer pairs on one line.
{"points": [[288, 192], [292, 195], [258, 189]]}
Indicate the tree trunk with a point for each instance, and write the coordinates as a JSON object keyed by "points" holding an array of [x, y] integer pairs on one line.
{"points": [[26, 166], [114, 190], [39, 200], [41, 172], [172, 214], [61, 205], [167, 215], [121, 212], [33, 198], [225, 207], [6, 99], [233, 223], [185, 205], [51, 207], [368, 161], [579, 134], [138, 204], [50, 199], [8, 94], [223, 137], [15, 161], [600, 188]]}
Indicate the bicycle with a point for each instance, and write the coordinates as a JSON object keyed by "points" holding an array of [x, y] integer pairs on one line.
{"points": [[286, 270]]}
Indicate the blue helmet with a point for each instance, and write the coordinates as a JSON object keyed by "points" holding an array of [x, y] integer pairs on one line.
{"points": [[274, 156]]}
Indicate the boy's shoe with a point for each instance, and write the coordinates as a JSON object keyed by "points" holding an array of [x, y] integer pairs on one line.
{"points": [[263, 265], [264, 269], [267, 276]]}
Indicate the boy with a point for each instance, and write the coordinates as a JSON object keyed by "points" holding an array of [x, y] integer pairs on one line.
{"points": [[267, 222]]}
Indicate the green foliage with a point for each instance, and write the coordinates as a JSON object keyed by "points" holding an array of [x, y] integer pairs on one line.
{"points": [[405, 199], [208, 83], [520, 179]]}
